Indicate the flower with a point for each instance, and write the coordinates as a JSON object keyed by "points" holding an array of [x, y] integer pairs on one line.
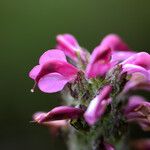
{"points": [[56, 118], [141, 59], [120, 50], [98, 106], [53, 71], [99, 62], [139, 62], [138, 66], [117, 70], [111, 51], [137, 81], [70, 46], [138, 110], [55, 126], [58, 113]]}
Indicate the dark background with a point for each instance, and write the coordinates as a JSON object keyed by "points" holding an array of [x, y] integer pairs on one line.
{"points": [[27, 29]]}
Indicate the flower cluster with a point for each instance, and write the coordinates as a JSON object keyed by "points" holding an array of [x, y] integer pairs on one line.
{"points": [[96, 88]]}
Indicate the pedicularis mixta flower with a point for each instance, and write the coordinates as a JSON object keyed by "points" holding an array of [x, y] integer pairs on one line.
{"points": [[97, 91]]}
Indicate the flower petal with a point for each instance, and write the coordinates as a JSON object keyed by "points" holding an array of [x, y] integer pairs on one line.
{"points": [[115, 43], [52, 82], [137, 81], [68, 44], [131, 68], [134, 102], [141, 59], [99, 62], [34, 72], [98, 106], [54, 126], [138, 110], [120, 56], [52, 54], [55, 66], [38, 116], [59, 113], [69, 38], [95, 110]]}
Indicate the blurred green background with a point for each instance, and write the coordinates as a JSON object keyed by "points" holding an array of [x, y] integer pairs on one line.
{"points": [[27, 29]]}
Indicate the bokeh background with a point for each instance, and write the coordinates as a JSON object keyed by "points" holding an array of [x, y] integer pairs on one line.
{"points": [[27, 29]]}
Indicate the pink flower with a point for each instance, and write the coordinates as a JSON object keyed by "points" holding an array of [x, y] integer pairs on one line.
{"points": [[111, 51], [137, 81], [131, 69], [54, 126], [141, 59], [99, 62], [138, 110], [56, 118], [120, 50], [53, 71], [69, 45], [58, 113], [138, 66], [98, 106]]}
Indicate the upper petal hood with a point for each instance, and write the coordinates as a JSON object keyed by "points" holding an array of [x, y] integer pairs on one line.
{"points": [[99, 62], [115, 43], [58, 113]]}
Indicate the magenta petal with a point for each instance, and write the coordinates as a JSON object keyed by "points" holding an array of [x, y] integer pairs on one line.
{"points": [[137, 81], [39, 116], [52, 82], [120, 56], [105, 92], [97, 69], [69, 38], [68, 44], [134, 102], [141, 59], [131, 68], [57, 123], [56, 66], [98, 106], [59, 113], [100, 53], [52, 54], [34, 72], [138, 110], [99, 62], [95, 110], [54, 126], [114, 42]]}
